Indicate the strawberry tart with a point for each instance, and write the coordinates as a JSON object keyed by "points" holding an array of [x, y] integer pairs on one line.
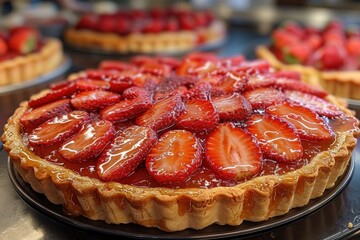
{"points": [[329, 57], [25, 55], [154, 31], [181, 144]]}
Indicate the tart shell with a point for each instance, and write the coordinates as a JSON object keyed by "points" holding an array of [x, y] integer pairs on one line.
{"points": [[177, 209], [28, 67], [163, 42], [344, 84]]}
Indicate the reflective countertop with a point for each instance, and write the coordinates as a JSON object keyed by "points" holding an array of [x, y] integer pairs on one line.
{"points": [[20, 221]]}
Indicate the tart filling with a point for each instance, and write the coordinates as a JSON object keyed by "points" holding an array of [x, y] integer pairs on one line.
{"points": [[327, 57], [178, 145], [24, 55], [155, 31]]}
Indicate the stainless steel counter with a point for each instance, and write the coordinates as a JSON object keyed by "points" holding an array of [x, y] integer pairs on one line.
{"points": [[20, 221]]}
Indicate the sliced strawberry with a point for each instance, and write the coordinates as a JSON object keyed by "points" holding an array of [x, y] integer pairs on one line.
{"points": [[135, 92], [175, 157], [94, 100], [202, 57], [318, 105], [232, 153], [309, 125], [264, 97], [198, 116], [288, 74], [60, 84], [232, 61], [232, 82], [199, 91], [37, 116], [169, 61], [23, 40], [277, 138], [254, 67], [58, 129], [156, 69], [65, 92], [172, 82], [232, 107], [114, 65], [125, 153], [288, 84], [126, 109], [119, 85], [259, 81], [163, 114], [89, 142], [161, 95], [89, 84], [141, 59]]}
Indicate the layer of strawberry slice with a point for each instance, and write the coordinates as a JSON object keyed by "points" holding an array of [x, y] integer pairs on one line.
{"points": [[232, 153], [199, 91], [114, 65], [288, 84], [309, 125], [124, 154], [232, 107], [58, 129], [89, 142], [277, 138], [198, 116], [162, 114], [23, 40], [93, 100], [232, 82], [259, 81], [293, 75], [120, 84], [264, 97], [318, 105], [89, 84], [37, 116], [175, 157], [62, 92]]}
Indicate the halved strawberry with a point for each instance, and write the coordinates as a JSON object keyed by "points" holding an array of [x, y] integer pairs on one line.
{"points": [[58, 129], [232, 153], [232, 107], [93, 100], [308, 124], [175, 157], [162, 114], [89, 142], [264, 97], [23, 40], [318, 105], [277, 138], [288, 84], [125, 153], [126, 109], [198, 116], [37, 116], [89, 84], [65, 92], [114, 65]]}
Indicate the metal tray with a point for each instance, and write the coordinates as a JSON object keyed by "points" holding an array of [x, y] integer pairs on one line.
{"points": [[40, 203]]}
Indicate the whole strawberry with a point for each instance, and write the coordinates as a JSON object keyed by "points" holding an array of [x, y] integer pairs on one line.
{"points": [[23, 40]]}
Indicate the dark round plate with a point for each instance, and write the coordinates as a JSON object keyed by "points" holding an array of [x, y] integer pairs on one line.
{"points": [[64, 66], [40, 203]]}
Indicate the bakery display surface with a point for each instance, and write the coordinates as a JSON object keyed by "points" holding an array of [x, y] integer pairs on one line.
{"points": [[25, 55], [177, 144], [337, 219], [157, 31], [328, 57]]}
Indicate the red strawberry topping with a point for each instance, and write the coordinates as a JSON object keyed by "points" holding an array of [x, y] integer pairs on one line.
{"points": [[232, 107], [198, 116], [37, 116], [64, 92], [163, 114], [232, 153], [318, 105], [89, 84], [175, 157], [288, 84], [93, 100], [114, 65], [125, 153], [23, 40], [89, 142], [58, 129], [308, 124], [277, 138], [264, 97]]}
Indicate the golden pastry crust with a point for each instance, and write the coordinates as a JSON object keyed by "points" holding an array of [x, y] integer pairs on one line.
{"points": [[177, 209], [163, 42], [28, 67], [344, 84]]}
